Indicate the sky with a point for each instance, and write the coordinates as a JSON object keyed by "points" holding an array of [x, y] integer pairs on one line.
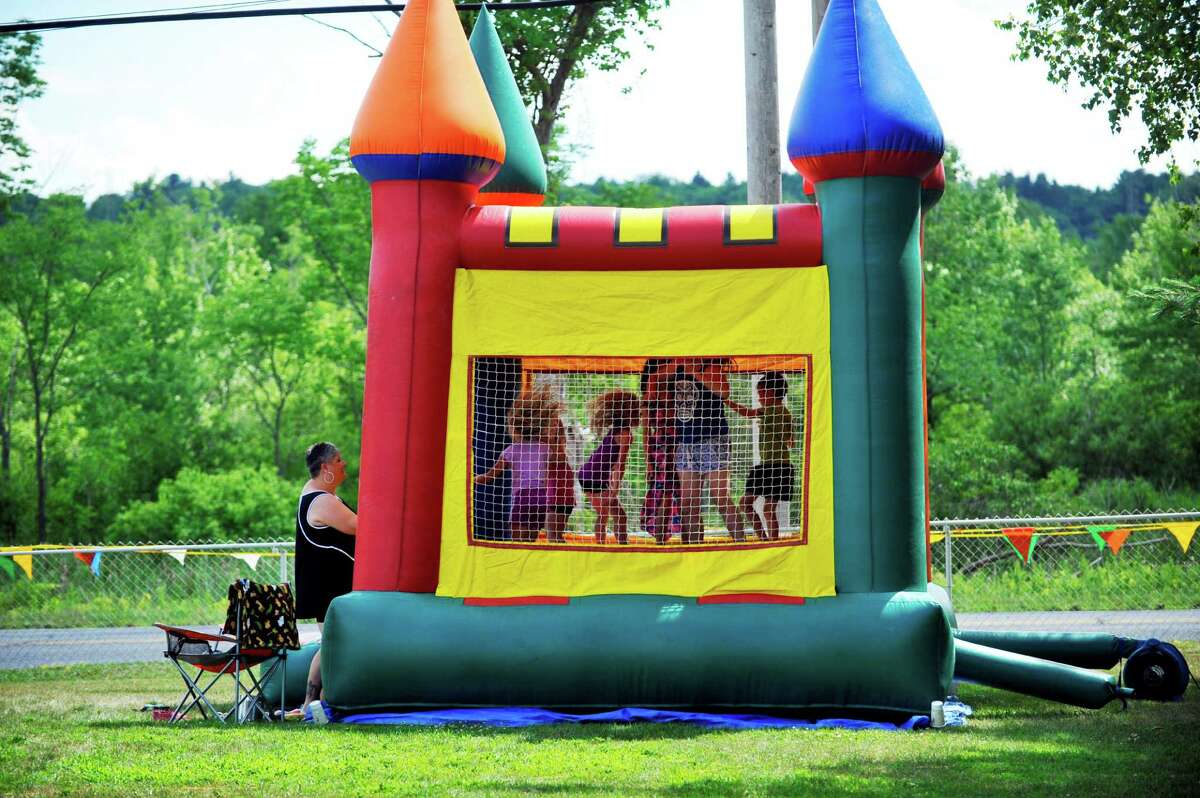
{"points": [[239, 97]]}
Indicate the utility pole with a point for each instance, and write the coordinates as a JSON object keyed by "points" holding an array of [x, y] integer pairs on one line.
{"points": [[819, 8], [763, 181]]}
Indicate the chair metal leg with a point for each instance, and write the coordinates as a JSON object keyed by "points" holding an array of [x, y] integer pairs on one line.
{"points": [[198, 695]]}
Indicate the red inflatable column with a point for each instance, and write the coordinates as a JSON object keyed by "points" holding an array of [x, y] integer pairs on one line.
{"points": [[426, 138], [413, 257]]}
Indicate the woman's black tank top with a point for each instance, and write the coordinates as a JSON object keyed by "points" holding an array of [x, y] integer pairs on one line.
{"points": [[324, 562]]}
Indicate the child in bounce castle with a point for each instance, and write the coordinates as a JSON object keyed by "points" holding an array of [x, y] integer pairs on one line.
{"points": [[774, 478], [660, 508], [619, 412], [560, 486], [531, 422]]}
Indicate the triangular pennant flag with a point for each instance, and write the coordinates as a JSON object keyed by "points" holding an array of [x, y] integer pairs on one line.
{"points": [[1022, 539], [1098, 536], [936, 538], [178, 554], [85, 557], [249, 559], [1183, 533], [6, 565], [1115, 539], [25, 562], [96, 563]]}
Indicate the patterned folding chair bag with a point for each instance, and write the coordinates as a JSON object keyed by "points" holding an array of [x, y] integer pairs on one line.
{"points": [[268, 616]]}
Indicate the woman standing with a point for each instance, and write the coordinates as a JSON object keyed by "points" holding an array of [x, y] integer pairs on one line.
{"points": [[325, 529]]}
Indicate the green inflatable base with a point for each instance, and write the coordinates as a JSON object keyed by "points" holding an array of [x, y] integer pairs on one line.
{"points": [[865, 652]]}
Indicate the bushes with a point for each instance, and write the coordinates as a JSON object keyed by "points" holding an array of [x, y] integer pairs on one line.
{"points": [[236, 505]]}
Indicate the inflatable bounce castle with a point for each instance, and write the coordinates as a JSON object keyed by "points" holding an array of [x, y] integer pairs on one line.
{"points": [[668, 458]]}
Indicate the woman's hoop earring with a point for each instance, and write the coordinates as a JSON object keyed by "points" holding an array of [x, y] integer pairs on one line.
{"points": [[327, 477]]}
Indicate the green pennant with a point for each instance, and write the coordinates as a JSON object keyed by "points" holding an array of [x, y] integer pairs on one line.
{"points": [[1095, 531], [6, 565]]}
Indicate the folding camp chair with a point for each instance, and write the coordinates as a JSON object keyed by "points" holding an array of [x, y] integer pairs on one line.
{"points": [[260, 627]]}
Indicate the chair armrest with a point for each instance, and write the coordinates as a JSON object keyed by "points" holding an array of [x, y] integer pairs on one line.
{"points": [[195, 634]]}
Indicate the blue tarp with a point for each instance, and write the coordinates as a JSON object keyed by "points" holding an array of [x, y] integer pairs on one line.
{"points": [[531, 716]]}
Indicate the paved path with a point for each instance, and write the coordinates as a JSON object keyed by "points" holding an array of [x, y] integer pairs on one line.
{"points": [[27, 648], [1141, 624]]}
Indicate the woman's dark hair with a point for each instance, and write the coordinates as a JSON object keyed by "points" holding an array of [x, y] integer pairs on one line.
{"points": [[318, 455], [653, 364]]}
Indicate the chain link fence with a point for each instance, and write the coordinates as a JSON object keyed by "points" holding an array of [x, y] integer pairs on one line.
{"points": [[60, 605], [1135, 575]]}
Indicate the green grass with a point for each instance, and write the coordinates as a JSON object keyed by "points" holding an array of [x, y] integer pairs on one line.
{"points": [[76, 731], [1116, 585]]}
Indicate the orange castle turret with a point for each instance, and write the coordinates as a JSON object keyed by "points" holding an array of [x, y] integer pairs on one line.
{"points": [[426, 137]]}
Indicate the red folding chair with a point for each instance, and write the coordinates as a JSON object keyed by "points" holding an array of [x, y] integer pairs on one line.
{"points": [[259, 628]]}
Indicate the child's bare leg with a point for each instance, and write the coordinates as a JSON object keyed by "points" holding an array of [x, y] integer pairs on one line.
{"points": [[662, 521], [718, 488], [601, 507], [747, 507], [689, 507], [620, 519], [771, 513]]}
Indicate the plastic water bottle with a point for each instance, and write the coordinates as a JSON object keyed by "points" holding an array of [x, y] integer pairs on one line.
{"points": [[937, 715], [319, 714]]}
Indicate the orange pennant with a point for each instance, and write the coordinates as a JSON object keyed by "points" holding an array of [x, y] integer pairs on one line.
{"points": [[1116, 539], [1023, 540]]}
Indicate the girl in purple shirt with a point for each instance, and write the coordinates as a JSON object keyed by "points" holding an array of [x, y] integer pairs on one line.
{"points": [[531, 425], [618, 412]]}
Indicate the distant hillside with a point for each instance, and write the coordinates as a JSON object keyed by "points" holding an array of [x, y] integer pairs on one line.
{"points": [[1085, 212]]}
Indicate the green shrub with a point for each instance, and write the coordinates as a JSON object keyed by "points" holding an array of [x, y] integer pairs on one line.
{"points": [[236, 505]]}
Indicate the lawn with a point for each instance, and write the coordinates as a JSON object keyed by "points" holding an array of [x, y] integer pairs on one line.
{"points": [[76, 731]]}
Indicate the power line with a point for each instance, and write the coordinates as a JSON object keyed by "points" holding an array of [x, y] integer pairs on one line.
{"points": [[148, 11], [89, 22]]}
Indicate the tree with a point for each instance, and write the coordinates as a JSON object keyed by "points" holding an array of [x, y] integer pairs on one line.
{"points": [[55, 266], [1160, 352], [1127, 53], [10, 367], [330, 206], [550, 48], [139, 414], [1173, 298], [18, 82]]}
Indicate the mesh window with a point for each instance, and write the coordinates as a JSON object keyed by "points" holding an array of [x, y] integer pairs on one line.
{"points": [[577, 451]]}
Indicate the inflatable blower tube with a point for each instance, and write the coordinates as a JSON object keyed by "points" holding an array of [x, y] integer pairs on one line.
{"points": [[870, 652], [1080, 650], [294, 673], [1036, 677]]}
